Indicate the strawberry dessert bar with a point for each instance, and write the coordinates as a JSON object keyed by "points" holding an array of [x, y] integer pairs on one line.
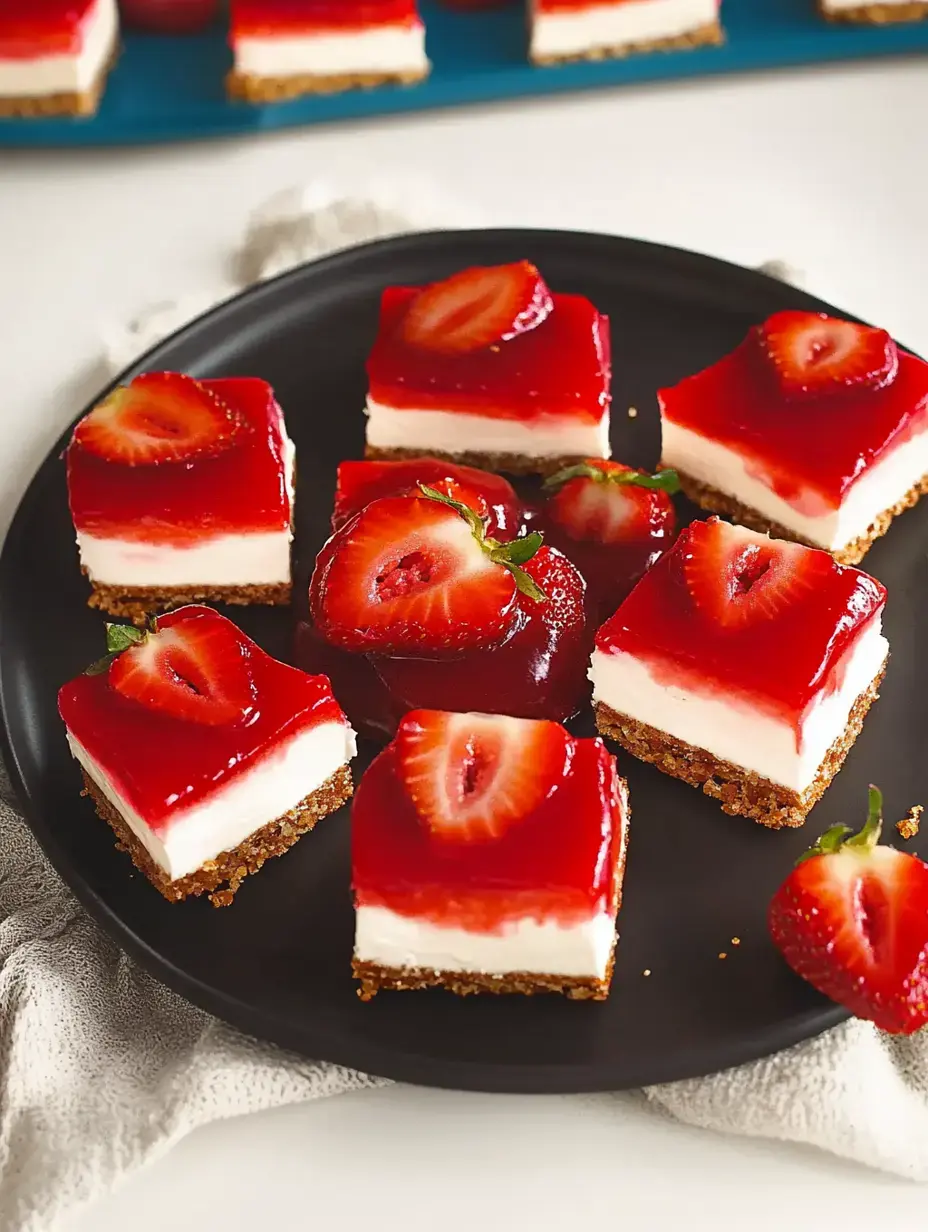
{"points": [[487, 856], [745, 666], [488, 368], [182, 490], [878, 14], [613, 522], [250, 753], [813, 429], [55, 55], [286, 48], [415, 606], [490, 496], [600, 29]]}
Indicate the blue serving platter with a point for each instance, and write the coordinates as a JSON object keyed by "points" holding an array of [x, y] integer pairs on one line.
{"points": [[172, 89]]}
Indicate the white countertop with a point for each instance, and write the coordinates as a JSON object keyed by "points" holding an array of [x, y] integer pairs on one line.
{"points": [[826, 169]]}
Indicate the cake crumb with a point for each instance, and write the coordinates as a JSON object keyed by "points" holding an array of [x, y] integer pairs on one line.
{"points": [[736, 940], [908, 827], [646, 971], [633, 412], [722, 954]]}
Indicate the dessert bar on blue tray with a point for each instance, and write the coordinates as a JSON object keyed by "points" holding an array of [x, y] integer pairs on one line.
{"points": [[169, 89]]}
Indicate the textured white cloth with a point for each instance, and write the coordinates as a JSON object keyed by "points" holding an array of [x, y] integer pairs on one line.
{"points": [[102, 1069]]}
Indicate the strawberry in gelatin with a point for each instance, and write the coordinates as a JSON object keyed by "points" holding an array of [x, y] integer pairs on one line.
{"points": [[613, 522], [414, 605]]}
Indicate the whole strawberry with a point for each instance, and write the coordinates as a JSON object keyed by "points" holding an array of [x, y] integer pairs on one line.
{"points": [[852, 919]]}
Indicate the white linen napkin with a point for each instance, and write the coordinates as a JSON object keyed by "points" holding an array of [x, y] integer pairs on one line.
{"points": [[102, 1069]]}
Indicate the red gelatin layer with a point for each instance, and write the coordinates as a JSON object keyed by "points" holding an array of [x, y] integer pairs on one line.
{"points": [[30, 29], [161, 765], [777, 665], [286, 18], [491, 496], [557, 863], [808, 450], [560, 368], [242, 490]]}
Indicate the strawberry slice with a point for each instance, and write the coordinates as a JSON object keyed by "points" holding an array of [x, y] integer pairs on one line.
{"points": [[813, 354], [159, 417], [197, 669], [610, 503], [476, 308], [852, 919], [473, 776], [417, 575], [737, 577]]}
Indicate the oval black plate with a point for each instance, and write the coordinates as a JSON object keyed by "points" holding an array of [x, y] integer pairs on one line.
{"points": [[277, 963]]}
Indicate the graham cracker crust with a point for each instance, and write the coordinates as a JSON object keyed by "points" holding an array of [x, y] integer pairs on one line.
{"points": [[134, 604], [373, 978], [711, 35], [707, 497], [230, 866], [878, 14], [83, 103], [741, 793], [510, 463], [248, 88]]}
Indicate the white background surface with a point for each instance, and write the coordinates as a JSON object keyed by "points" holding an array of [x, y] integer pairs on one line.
{"points": [[827, 169]]}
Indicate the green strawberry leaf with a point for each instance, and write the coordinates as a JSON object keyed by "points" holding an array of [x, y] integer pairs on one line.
{"points": [[121, 637], [527, 584], [517, 551], [475, 521]]}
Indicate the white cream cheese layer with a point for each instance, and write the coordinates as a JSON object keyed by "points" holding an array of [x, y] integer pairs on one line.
{"points": [[384, 49], [226, 817], [453, 432], [65, 74], [391, 940], [878, 488], [617, 24], [734, 731]]}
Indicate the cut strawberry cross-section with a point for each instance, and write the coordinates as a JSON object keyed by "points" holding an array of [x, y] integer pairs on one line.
{"points": [[418, 575], [197, 669], [737, 577], [813, 354], [476, 308], [473, 776], [160, 417], [852, 919], [608, 502]]}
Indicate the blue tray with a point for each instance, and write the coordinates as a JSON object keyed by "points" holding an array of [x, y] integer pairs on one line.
{"points": [[169, 89]]}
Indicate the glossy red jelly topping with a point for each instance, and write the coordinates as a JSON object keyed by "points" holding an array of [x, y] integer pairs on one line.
{"points": [[807, 450], [611, 558], [33, 28], [557, 863], [777, 665], [161, 765], [284, 18], [491, 496], [243, 490], [539, 672], [560, 368]]}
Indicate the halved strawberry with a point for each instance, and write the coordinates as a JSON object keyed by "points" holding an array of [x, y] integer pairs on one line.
{"points": [[196, 669], [159, 417], [473, 776], [609, 502], [737, 577], [477, 307], [852, 919], [417, 575], [814, 354]]}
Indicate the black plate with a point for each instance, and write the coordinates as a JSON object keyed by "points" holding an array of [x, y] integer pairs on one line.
{"points": [[277, 963]]}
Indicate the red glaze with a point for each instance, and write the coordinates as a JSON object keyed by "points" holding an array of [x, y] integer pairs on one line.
{"points": [[610, 568], [777, 665], [559, 863], [33, 28], [359, 483], [240, 491], [284, 18], [169, 16], [162, 765], [539, 672], [562, 367], [808, 450]]}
